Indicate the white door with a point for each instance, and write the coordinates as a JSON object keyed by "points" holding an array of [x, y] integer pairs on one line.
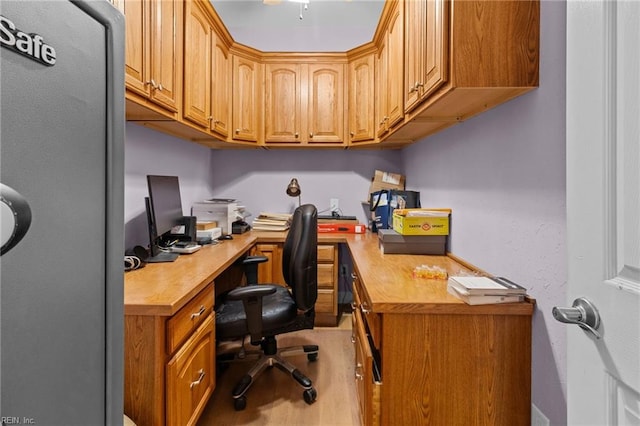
{"points": [[603, 209]]}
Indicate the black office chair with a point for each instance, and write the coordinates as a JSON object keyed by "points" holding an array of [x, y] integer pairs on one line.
{"points": [[266, 310]]}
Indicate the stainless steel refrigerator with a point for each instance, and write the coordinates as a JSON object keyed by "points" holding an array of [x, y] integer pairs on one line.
{"points": [[62, 176]]}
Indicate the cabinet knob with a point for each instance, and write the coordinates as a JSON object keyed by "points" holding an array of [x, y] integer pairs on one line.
{"points": [[160, 87], [210, 118], [352, 134], [310, 134], [297, 134], [152, 83], [237, 131]]}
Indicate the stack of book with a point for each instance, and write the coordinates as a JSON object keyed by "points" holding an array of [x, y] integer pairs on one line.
{"points": [[272, 222], [485, 290]]}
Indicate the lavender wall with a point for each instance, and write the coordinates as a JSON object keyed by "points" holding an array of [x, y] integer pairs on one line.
{"points": [[503, 174]]}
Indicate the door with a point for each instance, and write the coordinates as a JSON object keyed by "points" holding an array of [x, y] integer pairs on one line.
{"points": [[61, 292], [603, 209]]}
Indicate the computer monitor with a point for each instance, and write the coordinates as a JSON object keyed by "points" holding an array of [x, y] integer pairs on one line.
{"points": [[164, 211]]}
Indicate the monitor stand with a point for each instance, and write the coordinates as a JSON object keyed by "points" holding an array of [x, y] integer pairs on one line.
{"points": [[163, 256]]}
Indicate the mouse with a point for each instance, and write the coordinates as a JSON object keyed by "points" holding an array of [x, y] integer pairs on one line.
{"points": [[226, 237]]}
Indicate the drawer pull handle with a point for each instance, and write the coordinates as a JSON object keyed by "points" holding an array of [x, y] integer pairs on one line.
{"points": [[200, 378], [358, 375], [197, 314], [364, 310]]}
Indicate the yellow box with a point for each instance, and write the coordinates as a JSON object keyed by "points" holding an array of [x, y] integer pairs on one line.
{"points": [[421, 221]]}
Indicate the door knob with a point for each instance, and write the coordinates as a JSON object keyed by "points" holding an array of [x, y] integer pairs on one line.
{"points": [[583, 313]]}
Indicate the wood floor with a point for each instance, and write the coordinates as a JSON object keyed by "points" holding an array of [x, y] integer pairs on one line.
{"points": [[276, 399]]}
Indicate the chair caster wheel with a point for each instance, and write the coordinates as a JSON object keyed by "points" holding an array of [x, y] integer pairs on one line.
{"points": [[312, 357], [310, 395], [240, 403]]}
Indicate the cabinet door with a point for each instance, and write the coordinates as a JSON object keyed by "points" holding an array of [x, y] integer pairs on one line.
{"points": [[381, 89], [221, 89], [136, 72], [197, 65], [191, 376], [426, 49], [246, 99], [166, 51], [361, 99], [326, 103], [270, 272], [282, 103], [395, 74]]}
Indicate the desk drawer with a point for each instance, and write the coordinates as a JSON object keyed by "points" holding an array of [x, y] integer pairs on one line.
{"points": [[186, 320], [191, 376], [371, 320], [325, 302], [326, 253], [326, 275]]}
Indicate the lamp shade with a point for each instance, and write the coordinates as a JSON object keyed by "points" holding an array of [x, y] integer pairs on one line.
{"points": [[293, 189]]}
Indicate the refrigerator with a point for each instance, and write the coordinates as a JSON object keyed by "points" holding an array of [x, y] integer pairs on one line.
{"points": [[62, 206]]}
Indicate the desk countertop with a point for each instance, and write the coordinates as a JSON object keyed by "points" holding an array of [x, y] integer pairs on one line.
{"points": [[163, 288]]}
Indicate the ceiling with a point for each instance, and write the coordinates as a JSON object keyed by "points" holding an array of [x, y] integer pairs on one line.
{"points": [[326, 26]]}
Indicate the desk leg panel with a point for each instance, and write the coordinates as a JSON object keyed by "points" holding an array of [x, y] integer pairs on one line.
{"points": [[145, 359], [456, 369]]}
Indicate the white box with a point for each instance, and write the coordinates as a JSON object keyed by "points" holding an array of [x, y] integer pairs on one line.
{"points": [[213, 233]]}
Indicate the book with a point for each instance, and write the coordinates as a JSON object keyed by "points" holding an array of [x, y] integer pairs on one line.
{"points": [[272, 222], [485, 286], [483, 299], [349, 228]]}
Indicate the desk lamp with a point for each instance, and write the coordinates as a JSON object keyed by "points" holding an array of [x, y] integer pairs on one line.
{"points": [[293, 189]]}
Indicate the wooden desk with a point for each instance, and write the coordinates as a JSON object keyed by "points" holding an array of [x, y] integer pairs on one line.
{"points": [[441, 360], [170, 334]]}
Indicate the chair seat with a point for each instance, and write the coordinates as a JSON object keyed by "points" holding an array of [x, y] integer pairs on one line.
{"points": [[278, 310]]}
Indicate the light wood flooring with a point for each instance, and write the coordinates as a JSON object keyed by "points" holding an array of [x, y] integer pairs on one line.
{"points": [[276, 399]]}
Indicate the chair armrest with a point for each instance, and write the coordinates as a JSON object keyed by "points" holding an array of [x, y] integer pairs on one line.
{"points": [[251, 297], [250, 266], [241, 293]]}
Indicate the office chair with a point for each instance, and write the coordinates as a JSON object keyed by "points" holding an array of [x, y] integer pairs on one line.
{"points": [[267, 310]]}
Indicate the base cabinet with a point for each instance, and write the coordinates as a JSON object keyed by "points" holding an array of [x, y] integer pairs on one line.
{"points": [[458, 365], [169, 363]]}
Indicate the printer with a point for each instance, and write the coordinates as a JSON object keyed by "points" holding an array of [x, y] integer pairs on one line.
{"points": [[225, 211], [220, 210]]}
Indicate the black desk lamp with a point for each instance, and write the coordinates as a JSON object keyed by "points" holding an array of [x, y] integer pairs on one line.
{"points": [[293, 190]]}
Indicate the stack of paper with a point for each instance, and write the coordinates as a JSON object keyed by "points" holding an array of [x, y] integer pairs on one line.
{"points": [[272, 222], [485, 290]]}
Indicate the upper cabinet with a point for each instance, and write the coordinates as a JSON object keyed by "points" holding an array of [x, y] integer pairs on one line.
{"points": [[361, 99], [207, 72], [431, 64], [389, 67], [198, 34], [304, 103], [246, 99], [425, 53], [153, 55], [463, 58]]}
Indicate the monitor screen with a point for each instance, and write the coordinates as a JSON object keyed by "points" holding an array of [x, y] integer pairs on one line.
{"points": [[166, 205]]}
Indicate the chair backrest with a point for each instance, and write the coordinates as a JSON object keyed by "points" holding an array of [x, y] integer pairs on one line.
{"points": [[300, 257]]}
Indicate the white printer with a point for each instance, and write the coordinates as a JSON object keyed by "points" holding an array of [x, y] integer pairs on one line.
{"points": [[222, 210]]}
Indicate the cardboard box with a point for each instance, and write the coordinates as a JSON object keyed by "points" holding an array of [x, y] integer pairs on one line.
{"points": [[390, 242], [421, 221], [386, 180]]}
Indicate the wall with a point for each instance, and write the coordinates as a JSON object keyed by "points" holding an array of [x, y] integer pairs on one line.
{"points": [[503, 174], [148, 152]]}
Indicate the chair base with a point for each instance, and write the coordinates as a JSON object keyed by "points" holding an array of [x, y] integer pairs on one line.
{"points": [[270, 356]]}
